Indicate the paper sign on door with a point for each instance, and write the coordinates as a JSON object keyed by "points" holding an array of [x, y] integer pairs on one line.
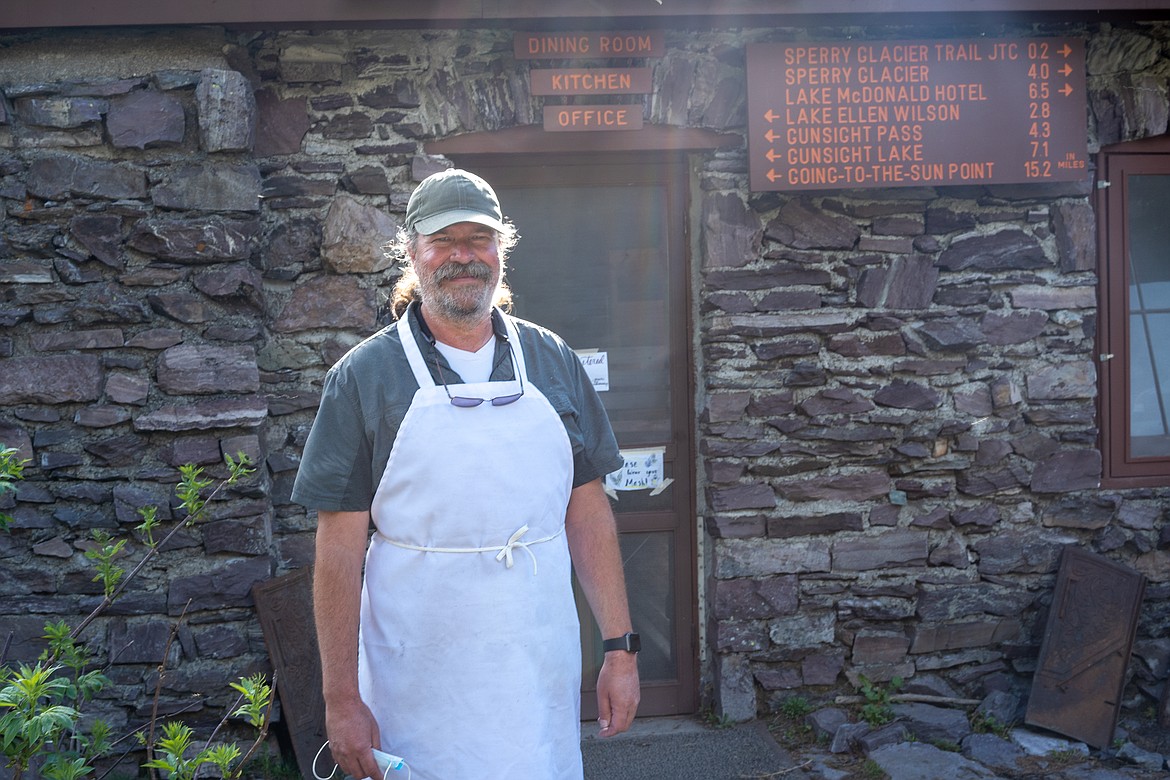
{"points": [[644, 469], [596, 367]]}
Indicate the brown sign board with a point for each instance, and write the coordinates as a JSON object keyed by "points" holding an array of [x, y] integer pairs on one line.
{"points": [[593, 117], [861, 114], [590, 81], [588, 45], [1078, 684], [285, 609]]}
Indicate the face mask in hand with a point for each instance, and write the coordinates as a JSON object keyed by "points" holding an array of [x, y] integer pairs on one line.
{"points": [[385, 761]]}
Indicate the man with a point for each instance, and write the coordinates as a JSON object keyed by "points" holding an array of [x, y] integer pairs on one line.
{"points": [[477, 446]]}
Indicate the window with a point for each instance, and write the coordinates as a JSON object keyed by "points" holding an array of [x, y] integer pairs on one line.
{"points": [[1134, 325]]}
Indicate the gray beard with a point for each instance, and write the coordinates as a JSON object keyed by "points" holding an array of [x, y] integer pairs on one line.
{"points": [[459, 309]]}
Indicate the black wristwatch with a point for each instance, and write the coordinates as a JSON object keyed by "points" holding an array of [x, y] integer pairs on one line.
{"points": [[629, 641]]}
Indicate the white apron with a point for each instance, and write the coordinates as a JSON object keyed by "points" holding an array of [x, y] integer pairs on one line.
{"points": [[469, 654]]}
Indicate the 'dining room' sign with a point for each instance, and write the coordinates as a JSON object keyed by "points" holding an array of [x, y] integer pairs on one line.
{"points": [[842, 115], [590, 82]]}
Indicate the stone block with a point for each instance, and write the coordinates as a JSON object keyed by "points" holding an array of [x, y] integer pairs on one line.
{"points": [[822, 667], [141, 642], [214, 413], [221, 587], [314, 305], [829, 523], [900, 394], [731, 231], [57, 177], [755, 599], [60, 112], [779, 679], [863, 486], [879, 551], [210, 188], [1064, 472], [227, 111], [1049, 298], [54, 379], [99, 338], [929, 638], [101, 235], [765, 557], [1006, 250], [920, 761], [737, 636], [879, 647], [803, 630], [1012, 327], [735, 688], [210, 240], [741, 497], [281, 124], [801, 227], [354, 237], [202, 370], [145, 118]]}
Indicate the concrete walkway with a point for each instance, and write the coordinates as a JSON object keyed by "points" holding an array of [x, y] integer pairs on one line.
{"points": [[683, 748]]}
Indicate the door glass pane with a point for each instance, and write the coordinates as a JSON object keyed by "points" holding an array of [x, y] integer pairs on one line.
{"points": [[649, 574], [1149, 316], [592, 266]]}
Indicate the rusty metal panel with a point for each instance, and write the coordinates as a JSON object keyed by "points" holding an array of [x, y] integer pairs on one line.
{"points": [[285, 608], [1087, 642]]}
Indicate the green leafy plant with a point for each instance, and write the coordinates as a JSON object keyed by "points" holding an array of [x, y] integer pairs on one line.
{"points": [[11, 471], [795, 707], [41, 705], [982, 723], [876, 710]]}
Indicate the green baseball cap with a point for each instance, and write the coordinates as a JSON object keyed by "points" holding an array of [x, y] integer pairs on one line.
{"points": [[451, 196]]}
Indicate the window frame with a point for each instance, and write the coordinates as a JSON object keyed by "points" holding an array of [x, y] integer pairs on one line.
{"points": [[1116, 164]]}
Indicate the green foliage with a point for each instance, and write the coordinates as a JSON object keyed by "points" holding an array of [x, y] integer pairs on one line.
{"points": [[41, 705], [872, 770], [271, 765], [795, 707], [109, 574], [256, 694], [149, 515], [717, 721], [35, 717], [982, 723], [11, 470], [876, 710]]}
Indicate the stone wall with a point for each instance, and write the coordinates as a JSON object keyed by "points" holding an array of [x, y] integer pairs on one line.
{"points": [[896, 388]]}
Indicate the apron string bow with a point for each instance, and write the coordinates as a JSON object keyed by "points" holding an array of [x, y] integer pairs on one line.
{"points": [[503, 552]]}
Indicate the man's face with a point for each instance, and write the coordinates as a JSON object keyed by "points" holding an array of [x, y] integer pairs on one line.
{"points": [[458, 270]]}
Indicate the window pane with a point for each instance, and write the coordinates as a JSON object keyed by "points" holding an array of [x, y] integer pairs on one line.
{"points": [[592, 266], [1149, 316], [649, 574]]}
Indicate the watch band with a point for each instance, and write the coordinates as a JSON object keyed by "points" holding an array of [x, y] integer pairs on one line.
{"points": [[629, 641]]}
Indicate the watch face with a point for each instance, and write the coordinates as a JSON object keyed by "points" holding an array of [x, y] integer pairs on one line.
{"points": [[633, 643]]}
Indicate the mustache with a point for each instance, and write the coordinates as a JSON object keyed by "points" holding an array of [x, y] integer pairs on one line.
{"points": [[473, 270]]}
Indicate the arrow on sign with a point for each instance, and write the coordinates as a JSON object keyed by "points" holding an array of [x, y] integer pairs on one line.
{"points": [[1065, 51], [1067, 69], [771, 155], [771, 136], [771, 116], [772, 175], [1066, 90]]}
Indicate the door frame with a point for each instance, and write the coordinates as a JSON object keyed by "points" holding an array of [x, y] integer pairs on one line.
{"points": [[680, 696]]}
